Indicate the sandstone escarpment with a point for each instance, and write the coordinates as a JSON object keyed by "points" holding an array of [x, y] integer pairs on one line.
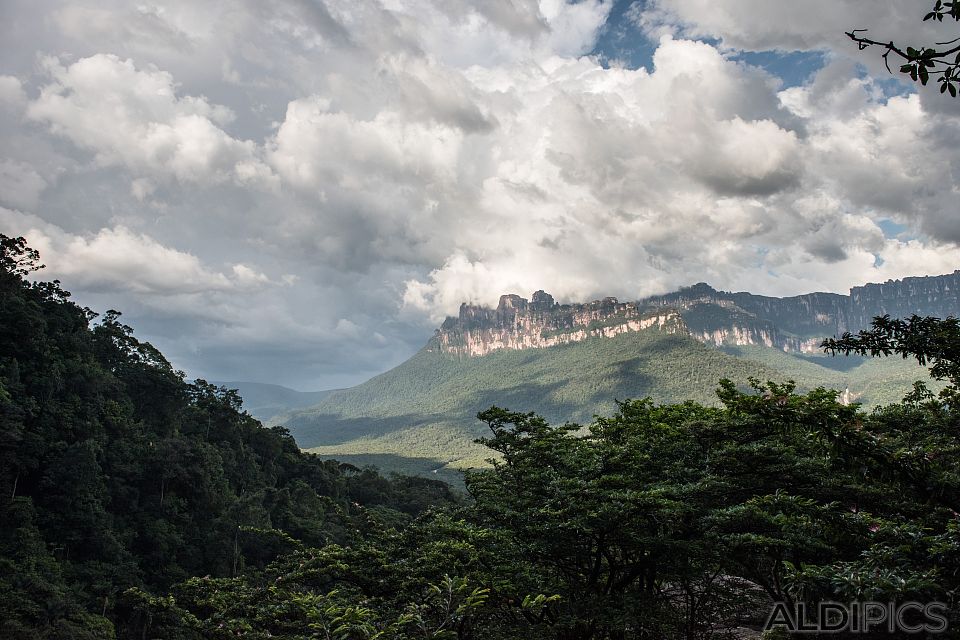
{"points": [[796, 323], [518, 323]]}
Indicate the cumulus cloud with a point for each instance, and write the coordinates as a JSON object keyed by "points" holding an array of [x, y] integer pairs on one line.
{"points": [[12, 95], [20, 184], [784, 25], [141, 26], [119, 260], [134, 117], [630, 183], [886, 157], [300, 189]]}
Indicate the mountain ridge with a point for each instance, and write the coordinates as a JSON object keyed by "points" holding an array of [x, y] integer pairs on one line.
{"points": [[792, 323]]}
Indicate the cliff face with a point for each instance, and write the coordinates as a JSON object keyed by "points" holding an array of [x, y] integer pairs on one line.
{"points": [[798, 323], [795, 323], [927, 296], [517, 323]]}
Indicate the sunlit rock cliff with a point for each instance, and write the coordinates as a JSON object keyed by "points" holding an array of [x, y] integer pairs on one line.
{"points": [[796, 323], [518, 323]]}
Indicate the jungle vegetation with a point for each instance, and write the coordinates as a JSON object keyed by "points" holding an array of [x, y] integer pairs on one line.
{"points": [[136, 504]]}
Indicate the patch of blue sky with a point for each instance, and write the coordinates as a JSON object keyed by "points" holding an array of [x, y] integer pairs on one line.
{"points": [[622, 42], [793, 68], [891, 84], [892, 229]]}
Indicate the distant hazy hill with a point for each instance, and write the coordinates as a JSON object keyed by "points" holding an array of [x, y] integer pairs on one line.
{"points": [[265, 401]]}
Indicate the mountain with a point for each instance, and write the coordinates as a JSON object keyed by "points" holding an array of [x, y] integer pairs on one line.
{"points": [[798, 323], [569, 362], [266, 401], [795, 323]]}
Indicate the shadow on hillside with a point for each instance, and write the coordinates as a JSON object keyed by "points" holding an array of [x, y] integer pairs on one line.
{"points": [[324, 429], [522, 398], [409, 466], [839, 363], [836, 363], [542, 398], [629, 381]]}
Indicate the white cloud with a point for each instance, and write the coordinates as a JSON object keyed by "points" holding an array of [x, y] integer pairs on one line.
{"points": [[134, 118], [142, 26], [394, 158], [20, 185], [787, 25], [12, 95], [315, 147], [887, 158], [574, 26], [120, 260], [631, 183]]}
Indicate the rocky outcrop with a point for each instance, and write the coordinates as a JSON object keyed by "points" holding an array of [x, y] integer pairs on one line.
{"points": [[806, 315], [740, 335], [517, 323], [796, 323], [926, 296]]}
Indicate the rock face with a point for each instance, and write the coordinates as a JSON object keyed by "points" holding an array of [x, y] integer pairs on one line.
{"points": [[930, 296], [517, 323], [795, 323], [798, 323]]}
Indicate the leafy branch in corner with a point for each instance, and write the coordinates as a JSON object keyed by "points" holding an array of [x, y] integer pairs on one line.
{"points": [[932, 341], [942, 59]]}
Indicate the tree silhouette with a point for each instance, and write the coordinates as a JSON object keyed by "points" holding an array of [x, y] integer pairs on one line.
{"points": [[921, 63]]}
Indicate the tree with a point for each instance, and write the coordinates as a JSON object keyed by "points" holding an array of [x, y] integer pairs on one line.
{"points": [[117, 474], [931, 341], [16, 258], [942, 59]]}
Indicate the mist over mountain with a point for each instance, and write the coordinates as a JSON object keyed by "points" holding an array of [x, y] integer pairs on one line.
{"points": [[265, 401]]}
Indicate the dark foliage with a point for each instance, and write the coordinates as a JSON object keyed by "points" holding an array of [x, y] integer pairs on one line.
{"points": [[920, 63], [116, 473]]}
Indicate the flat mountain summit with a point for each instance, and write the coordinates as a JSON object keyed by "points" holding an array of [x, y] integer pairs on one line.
{"points": [[796, 323]]}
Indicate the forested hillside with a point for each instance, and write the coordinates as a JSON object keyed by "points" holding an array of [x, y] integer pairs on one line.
{"points": [[420, 416], [116, 473]]}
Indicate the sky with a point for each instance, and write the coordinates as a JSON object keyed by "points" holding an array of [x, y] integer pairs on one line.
{"points": [[298, 191]]}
